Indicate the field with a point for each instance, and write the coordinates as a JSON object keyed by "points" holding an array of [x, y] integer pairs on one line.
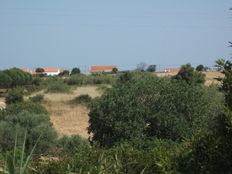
{"points": [[70, 120], [210, 76], [67, 119]]}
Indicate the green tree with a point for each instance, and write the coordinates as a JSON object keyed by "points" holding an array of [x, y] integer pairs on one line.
{"points": [[188, 74], [5, 80], [28, 117], [148, 106], [64, 73], [200, 68], [19, 78], [75, 71], [220, 64], [14, 96], [39, 70], [227, 83], [151, 68], [114, 70]]}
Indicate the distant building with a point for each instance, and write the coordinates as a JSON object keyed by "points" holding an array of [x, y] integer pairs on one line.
{"points": [[52, 71], [172, 70], [95, 69], [25, 70], [49, 71]]}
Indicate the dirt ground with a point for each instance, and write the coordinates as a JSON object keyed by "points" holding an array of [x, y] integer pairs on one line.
{"points": [[67, 119]]}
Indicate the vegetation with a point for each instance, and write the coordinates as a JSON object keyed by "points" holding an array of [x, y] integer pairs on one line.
{"points": [[64, 73], [141, 124], [58, 87], [37, 98], [200, 68], [148, 106], [90, 80], [14, 96], [75, 71], [14, 77], [30, 117], [12, 159], [151, 68], [227, 83], [82, 99], [188, 74], [115, 70]]}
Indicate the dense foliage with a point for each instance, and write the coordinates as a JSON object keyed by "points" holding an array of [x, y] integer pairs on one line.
{"points": [[149, 106], [14, 77], [227, 83], [188, 74], [75, 71], [22, 117], [91, 79], [15, 95]]}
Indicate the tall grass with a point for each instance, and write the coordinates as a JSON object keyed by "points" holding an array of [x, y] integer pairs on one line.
{"points": [[11, 159], [92, 79]]}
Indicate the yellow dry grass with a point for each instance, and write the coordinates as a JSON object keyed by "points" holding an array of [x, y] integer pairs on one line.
{"points": [[210, 76], [67, 119]]}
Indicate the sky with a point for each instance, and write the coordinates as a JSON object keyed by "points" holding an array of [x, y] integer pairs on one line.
{"points": [[81, 33]]}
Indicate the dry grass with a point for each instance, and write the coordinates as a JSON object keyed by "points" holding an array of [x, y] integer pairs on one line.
{"points": [[2, 103], [67, 119], [210, 76]]}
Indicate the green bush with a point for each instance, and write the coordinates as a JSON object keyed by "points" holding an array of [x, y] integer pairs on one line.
{"points": [[153, 107], [72, 145], [18, 77], [82, 99], [58, 87], [188, 74], [37, 98], [91, 80], [24, 106], [14, 96], [34, 124]]}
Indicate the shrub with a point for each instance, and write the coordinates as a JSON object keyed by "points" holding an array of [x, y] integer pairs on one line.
{"points": [[37, 98], [188, 74], [90, 80], [58, 87], [24, 106], [75, 71], [5, 80], [18, 77], [200, 68], [34, 124], [152, 107], [151, 68], [82, 99], [14, 96], [72, 145]]}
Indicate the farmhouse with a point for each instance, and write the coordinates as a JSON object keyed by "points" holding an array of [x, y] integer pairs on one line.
{"points": [[94, 69], [49, 71], [52, 71], [172, 70], [25, 70]]}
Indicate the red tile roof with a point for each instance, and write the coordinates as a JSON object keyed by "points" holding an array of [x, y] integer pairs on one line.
{"points": [[24, 69], [51, 69], [172, 70], [102, 68], [33, 72]]}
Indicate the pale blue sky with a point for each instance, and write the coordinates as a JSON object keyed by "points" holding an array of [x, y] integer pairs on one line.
{"points": [[68, 33]]}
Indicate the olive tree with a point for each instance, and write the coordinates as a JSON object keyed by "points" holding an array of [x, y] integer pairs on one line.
{"points": [[148, 106]]}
